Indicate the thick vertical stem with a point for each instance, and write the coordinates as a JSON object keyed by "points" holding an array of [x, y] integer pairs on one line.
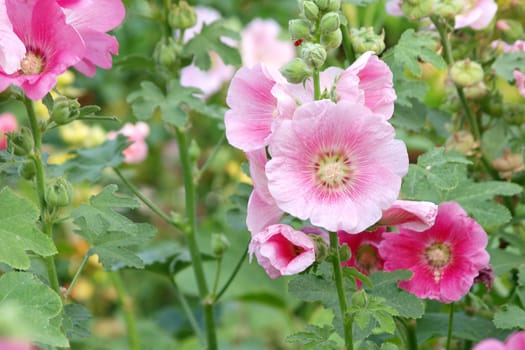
{"points": [[127, 307], [347, 44], [317, 85], [191, 236], [450, 326]]}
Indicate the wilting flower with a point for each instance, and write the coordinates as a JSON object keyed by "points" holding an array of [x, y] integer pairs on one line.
{"points": [[364, 247], [138, 150], [515, 341], [8, 123], [413, 215], [337, 165], [281, 250], [444, 260]]}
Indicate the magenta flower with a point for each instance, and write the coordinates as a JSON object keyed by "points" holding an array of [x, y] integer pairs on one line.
{"points": [[51, 46], [365, 250], [12, 49], [138, 150], [92, 19], [337, 165], [516, 341], [281, 250], [444, 260], [8, 123], [413, 215]]}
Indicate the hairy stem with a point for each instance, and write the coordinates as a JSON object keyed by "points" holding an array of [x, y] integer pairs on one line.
{"points": [[127, 307]]}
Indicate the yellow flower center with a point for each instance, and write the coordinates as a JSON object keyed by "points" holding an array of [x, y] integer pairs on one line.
{"points": [[333, 170], [32, 63], [438, 256]]}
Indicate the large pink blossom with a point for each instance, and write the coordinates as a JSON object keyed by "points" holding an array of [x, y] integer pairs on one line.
{"points": [[364, 247], [337, 165], [262, 210], [12, 49], [138, 150], [516, 341], [8, 123], [281, 250], [51, 46], [92, 19], [413, 215], [444, 260]]}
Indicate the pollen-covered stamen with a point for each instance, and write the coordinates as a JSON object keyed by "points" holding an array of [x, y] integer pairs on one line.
{"points": [[438, 256], [332, 170], [32, 63]]}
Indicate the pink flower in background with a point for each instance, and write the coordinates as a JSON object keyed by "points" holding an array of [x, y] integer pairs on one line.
{"points": [[51, 46], [281, 250], [260, 43], [516, 341], [337, 165], [12, 49], [262, 210], [444, 260], [478, 15], [92, 19], [518, 45], [138, 150], [413, 215], [520, 81], [12, 344], [365, 250], [8, 123]]}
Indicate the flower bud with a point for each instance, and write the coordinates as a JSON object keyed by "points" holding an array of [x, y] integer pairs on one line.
{"points": [[508, 164], [219, 244], [332, 40], [59, 193], [333, 5], [299, 29], [314, 55], [182, 16], [415, 10], [296, 71], [448, 8], [476, 91], [20, 143], [166, 52], [514, 113], [365, 39], [194, 151], [322, 4], [466, 73], [321, 248], [344, 252], [359, 299], [329, 23], [27, 170], [461, 141], [310, 10], [65, 110]]}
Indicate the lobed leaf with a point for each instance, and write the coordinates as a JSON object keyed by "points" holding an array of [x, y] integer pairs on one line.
{"points": [[506, 63]]}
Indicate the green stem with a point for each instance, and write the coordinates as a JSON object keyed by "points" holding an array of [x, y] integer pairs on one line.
{"points": [[347, 44], [232, 276], [212, 155], [146, 201], [217, 276], [338, 275], [450, 326], [411, 335], [191, 214], [189, 314], [317, 85], [126, 304], [77, 274]]}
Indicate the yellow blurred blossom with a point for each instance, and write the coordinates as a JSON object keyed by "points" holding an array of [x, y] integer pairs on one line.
{"points": [[58, 158], [41, 110], [80, 134], [83, 289], [234, 170]]}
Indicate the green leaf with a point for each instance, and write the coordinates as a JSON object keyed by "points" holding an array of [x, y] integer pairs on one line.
{"points": [[505, 64], [314, 337], [509, 318], [408, 90], [19, 233], [488, 213], [76, 321], [35, 306], [503, 260], [413, 47], [89, 163], [480, 191], [210, 39], [410, 117], [134, 62], [112, 236]]}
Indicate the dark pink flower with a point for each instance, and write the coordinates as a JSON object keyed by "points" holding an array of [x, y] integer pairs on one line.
{"points": [[8, 123], [516, 341], [281, 250], [444, 260], [364, 247]]}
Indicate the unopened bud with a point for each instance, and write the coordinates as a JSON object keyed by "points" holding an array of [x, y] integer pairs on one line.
{"points": [[365, 39], [359, 299], [321, 248], [322, 4], [344, 252], [329, 23], [466, 73], [219, 244], [476, 91], [296, 71], [194, 150], [508, 164], [27, 170], [300, 29], [20, 143], [461, 141], [332, 40], [448, 8], [310, 10], [333, 5], [182, 16], [166, 52], [65, 110], [314, 55], [415, 10], [59, 193]]}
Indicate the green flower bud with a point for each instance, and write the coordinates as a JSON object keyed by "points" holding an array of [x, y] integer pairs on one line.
{"points": [[296, 71], [365, 39], [300, 29], [359, 299], [314, 55], [332, 40], [20, 143], [194, 150], [310, 10], [27, 170], [219, 244], [333, 5], [476, 91], [322, 4], [344, 252], [466, 73], [448, 8], [65, 110], [166, 52], [182, 16], [59, 193], [414, 10], [514, 113], [321, 248], [329, 23]]}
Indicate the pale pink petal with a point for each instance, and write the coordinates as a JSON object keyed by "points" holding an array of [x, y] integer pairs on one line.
{"points": [[99, 50], [209, 81], [94, 15], [393, 8], [413, 215], [520, 81], [12, 49], [490, 344], [516, 341], [477, 16], [8, 122], [261, 213]]}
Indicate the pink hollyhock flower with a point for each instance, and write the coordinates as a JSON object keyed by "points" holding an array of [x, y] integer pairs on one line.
{"points": [[444, 260], [260, 43], [476, 14], [282, 251], [8, 123], [262, 210], [12, 49], [518, 45], [516, 341], [51, 46], [337, 165], [520, 81], [413, 215], [92, 19], [11, 344], [138, 150], [365, 250]]}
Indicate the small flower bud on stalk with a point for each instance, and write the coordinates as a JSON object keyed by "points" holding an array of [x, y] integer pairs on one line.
{"points": [[476, 91], [314, 55], [65, 110], [328, 5], [321, 248], [27, 170], [364, 39], [329, 23], [359, 299], [448, 8], [300, 29], [182, 16], [466, 73], [219, 244], [20, 143], [166, 52], [322, 4], [332, 40], [508, 164], [59, 193], [461, 141], [296, 71], [415, 10], [310, 10]]}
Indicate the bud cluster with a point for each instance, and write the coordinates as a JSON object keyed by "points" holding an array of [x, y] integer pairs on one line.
{"points": [[365, 39]]}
